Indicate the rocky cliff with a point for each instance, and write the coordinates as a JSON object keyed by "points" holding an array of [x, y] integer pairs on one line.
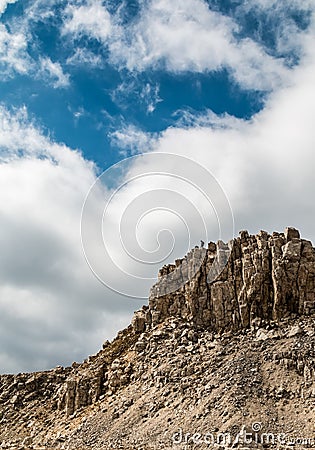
{"points": [[265, 278], [225, 344]]}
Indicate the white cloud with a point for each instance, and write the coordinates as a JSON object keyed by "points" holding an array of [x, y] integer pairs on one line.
{"points": [[4, 4], [49, 299], [52, 71], [190, 118], [147, 94], [179, 37], [190, 37], [13, 52], [131, 140], [271, 5], [16, 40], [150, 96], [18, 133], [285, 30], [265, 165], [90, 19], [86, 58], [52, 308]]}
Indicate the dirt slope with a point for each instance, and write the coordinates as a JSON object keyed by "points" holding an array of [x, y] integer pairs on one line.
{"points": [[225, 363]]}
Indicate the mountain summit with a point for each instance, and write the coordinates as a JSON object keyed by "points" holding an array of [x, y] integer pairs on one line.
{"points": [[221, 357]]}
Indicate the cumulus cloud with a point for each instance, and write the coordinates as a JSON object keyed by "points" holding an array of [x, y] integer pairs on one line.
{"points": [[90, 19], [52, 308], [264, 164]]}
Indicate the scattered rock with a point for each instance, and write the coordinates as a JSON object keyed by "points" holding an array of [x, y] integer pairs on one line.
{"points": [[207, 355]]}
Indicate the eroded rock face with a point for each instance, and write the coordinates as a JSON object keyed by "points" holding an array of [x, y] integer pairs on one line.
{"points": [[208, 349], [267, 277]]}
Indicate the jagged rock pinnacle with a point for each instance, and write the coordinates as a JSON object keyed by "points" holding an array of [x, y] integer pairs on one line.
{"points": [[267, 277]]}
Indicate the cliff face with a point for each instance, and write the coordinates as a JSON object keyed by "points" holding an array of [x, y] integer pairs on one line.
{"points": [[266, 277], [227, 340]]}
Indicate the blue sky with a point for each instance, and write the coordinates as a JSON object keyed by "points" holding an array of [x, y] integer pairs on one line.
{"points": [[86, 84], [97, 100]]}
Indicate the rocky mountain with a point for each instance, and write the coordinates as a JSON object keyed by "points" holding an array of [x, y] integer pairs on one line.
{"points": [[221, 357]]}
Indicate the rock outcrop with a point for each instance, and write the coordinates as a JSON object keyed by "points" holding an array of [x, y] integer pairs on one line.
{"points": [[266, 277], [226, 341]]}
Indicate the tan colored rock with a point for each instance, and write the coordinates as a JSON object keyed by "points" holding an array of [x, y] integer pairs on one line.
{"points": [[139, 322], [204, 355], [291, 233], [266, 277]]}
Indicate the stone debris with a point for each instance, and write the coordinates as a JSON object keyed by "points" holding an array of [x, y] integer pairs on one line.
{"points": [[217, 359]]}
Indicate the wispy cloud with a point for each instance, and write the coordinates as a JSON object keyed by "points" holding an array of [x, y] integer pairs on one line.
{"points": [[177, 37], [282, 25], [18, 52], [150, 96], [53, 73], [84, 57], [78, 113], [189, 118], [147, 94]]}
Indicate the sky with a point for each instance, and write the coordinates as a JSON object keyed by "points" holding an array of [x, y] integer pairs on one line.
{"points": [[129, 131]]}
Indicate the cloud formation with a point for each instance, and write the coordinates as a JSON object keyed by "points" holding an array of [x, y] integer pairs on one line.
{"points": [[13, 54], [178, 37], [53, 72], [84, 57], [48, 295], [90, 19], [4, 4], [52, 308], [190, 37]]}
